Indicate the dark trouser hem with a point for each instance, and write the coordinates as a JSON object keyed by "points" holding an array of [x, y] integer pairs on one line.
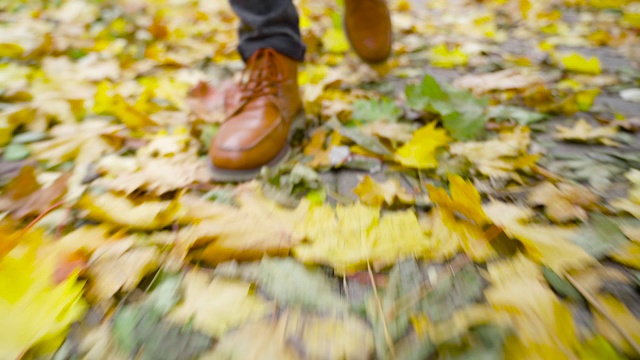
{"points": [[268, 24], [282, 44]]}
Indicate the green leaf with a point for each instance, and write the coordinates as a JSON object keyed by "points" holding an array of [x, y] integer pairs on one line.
{"points": [[447, 296], [600, 236], [464, 126], [140, 330], [561, 286], [15, 152], [375, 110], [291, 283], [421, 96], [520, 115], [368, 142]]}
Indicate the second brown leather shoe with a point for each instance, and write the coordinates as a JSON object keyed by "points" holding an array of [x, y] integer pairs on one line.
{"points": [[256, 132], [367, 25]]}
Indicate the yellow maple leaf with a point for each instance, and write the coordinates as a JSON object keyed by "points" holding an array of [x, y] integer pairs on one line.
{"points": [[517, 267], [459, 219], [349, 237], [257, 227], [578, 63], [544, 327], [549, 245], [441, 56], [334, 41], [216, 305], [147, 215], [374, 193], [420, 151], [33, 308]]}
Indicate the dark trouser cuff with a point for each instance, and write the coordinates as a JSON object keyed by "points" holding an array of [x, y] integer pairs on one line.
{"points": [[283, 44]]}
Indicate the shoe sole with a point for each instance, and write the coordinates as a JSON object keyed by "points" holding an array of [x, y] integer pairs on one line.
{"points": [[227, 175]]}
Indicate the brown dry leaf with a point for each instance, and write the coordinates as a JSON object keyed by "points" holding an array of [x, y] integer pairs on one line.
{"points": [[582, 131], [501, 80], [549, 245], [211, 103], [375, 194], [216, 305], [563, 202], [119, 266], [157, 175], [393, 131], [267, 343], [627, 205], [20, 205], [69, 139], [147, 215], [498, 157], [256, 228], [297, 335]]}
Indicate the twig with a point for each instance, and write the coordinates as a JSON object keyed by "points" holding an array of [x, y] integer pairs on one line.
{"points": [[385, 329], [596, 305], [39, 217]]}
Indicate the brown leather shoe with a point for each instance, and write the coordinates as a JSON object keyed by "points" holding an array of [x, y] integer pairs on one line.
{"points": [[256, 132], [367, 25]]}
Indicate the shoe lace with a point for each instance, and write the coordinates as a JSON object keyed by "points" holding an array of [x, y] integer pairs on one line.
{"points": [[262, 75]]}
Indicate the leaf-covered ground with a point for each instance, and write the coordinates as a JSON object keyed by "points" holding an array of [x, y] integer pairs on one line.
{"points": [[476, 197]]}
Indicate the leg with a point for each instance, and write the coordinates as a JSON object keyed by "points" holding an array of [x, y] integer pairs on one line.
{"points": [[268, 24]]}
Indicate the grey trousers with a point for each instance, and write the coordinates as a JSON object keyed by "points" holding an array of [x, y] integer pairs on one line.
{"points": [[268, 24]]}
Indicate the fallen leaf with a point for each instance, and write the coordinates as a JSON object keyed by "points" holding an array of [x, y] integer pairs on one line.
{"points": [[376, 110], [420, 151], [375, 194], [632, 94], [623, 318], [315, 336], [69, 139], [119, 266], [214, 306], [34, 308], [563, 202], [459, 219], [140, 330], [500, 80], [498, 157], [395, 132], [543, 325], [147, 215], [305, 287], [516, 268], [577, 63], [38, 200], [347, 245], [582, 131], [549, 245], [256, 228], [441, 56], [150, 173]]}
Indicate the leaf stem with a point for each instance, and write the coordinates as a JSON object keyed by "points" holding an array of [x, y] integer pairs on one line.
{"points": [[385, 329], [596, 305]]}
